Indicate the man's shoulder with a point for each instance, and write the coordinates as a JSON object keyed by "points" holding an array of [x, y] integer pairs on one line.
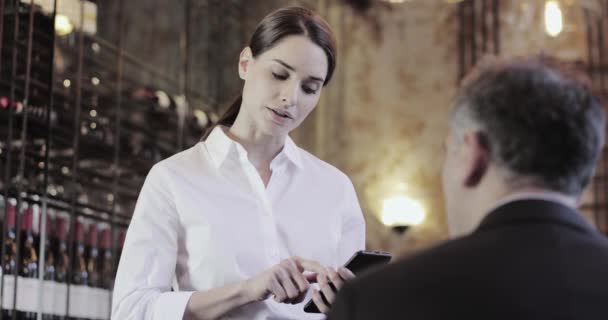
{"points": [[413, 280], [421, 269], [480, 254]]}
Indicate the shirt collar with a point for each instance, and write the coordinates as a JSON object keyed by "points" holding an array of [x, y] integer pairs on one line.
{"points": [[291, 152], [536, 195], [536, 210], [220, 147]]}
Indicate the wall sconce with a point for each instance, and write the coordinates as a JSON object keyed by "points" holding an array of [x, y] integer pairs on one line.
{"points": [[401, 212], [554, 23]]}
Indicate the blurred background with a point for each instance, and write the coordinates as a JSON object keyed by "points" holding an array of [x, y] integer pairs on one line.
{"points": [[93, 93]]}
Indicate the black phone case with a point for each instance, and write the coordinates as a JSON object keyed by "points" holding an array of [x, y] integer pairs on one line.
{"points": [[360, 261]]}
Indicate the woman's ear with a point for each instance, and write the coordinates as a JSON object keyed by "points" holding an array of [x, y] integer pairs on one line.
{"points": [[245, 59]]}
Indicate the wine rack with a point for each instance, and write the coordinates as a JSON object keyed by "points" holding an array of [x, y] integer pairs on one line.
{"points": [[79, 130]]}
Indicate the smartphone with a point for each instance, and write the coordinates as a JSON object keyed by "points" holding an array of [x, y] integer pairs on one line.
{"points": [[360, 261]]}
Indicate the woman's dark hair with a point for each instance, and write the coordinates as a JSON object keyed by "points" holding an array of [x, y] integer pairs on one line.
{"points": [[272, 29]]}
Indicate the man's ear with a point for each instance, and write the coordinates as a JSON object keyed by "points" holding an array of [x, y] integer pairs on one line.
{"points": [[245, 59], [477, 157]]}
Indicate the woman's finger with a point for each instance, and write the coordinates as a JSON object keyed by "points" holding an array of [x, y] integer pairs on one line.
{"points": [[277, 289], [318, 300], [346, 274], [326, 287], [286, 281], [296, 275], [311, 265], [335, 279], [311, 277]]}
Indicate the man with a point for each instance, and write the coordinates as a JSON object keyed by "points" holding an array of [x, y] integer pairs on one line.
{"points": [[524, 141]]}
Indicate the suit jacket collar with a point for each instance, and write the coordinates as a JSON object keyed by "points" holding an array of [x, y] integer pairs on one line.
{"points": [[534, 211]]}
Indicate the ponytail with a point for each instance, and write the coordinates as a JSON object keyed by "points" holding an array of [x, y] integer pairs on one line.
{"points": [[227, 119]]}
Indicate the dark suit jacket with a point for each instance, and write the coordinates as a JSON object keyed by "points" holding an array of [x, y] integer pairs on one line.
{"points": [[529, 259]]}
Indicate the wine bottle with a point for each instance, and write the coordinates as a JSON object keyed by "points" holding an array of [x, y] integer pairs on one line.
{"points": [[80, 276], [48, 285], [9, 263], [27, 282], [107, 272], [62, 265], [93, 292], [121, 242]]}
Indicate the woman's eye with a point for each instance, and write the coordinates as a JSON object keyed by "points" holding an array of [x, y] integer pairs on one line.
{"points": [[308, 90], [279, 76]]}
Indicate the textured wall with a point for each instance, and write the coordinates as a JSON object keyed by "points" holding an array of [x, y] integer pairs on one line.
{"points": [[384, 119], [523, 31]]}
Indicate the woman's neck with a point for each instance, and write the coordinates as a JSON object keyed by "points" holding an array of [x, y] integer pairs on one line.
{"points": [[261, 148]]}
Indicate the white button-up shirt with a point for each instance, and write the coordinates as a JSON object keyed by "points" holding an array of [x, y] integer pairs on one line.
{"points": [[204, 219]]}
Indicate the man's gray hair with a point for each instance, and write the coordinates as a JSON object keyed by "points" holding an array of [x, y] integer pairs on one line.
{"points": [[538, 119]]}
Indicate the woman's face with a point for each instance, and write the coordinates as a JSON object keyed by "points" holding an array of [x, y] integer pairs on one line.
{"points": [[282, 85]]}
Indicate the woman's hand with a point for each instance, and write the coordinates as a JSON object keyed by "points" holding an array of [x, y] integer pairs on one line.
{"points": [[285, 281], [330, 284]]}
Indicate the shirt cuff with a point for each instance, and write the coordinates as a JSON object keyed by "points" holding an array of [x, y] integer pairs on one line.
{"points": [[171, 305]]}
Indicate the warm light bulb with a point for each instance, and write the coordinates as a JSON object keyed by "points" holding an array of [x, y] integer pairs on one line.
{"points": [[63, 26], [553, 18], [402, 211]]}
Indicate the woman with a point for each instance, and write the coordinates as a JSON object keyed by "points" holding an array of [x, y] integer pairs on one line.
{"points": [[240, 224]]}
